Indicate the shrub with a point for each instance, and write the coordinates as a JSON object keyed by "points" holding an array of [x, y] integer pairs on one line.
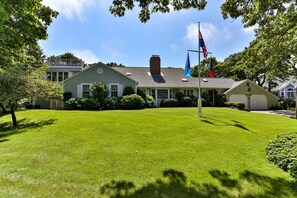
{"points": [[169, 102], [150, 102], [179, 96], [240, 105], [283, 152], [36, 106], [128, 91], [66, 96], [109, 104], [287, 103], [89, 104], [74, 103], [132, 101], [100, 92], [141, 93], [229, 104], [186, 101], [220, 100]]}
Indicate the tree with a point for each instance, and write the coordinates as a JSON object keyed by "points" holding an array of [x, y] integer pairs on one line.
{"points": [[100, 92], [19, 84], [119, 7], [113, 64], [22, 25]]}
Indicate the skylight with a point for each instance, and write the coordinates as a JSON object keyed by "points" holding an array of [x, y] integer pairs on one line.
{"points": [[184, 80], [205, 80], [128, 73]]}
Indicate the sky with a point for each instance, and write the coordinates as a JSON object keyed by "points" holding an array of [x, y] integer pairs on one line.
{"points": [[87, 29]]}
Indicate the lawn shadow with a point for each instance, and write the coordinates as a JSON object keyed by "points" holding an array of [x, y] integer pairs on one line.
{"points": [[224, 123], [7, 129], [175, 184]]}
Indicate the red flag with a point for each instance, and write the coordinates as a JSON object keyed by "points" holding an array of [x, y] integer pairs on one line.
{"points": [[202, 44], [211, 71]]}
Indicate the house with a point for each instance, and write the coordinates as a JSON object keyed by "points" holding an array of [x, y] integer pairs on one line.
{"points": [[286, 89], [252, 95], [160, 83]]}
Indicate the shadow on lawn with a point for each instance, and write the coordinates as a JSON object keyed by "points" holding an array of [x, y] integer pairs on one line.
{"points": [[175, 184], [6, 128], [235, 124]]}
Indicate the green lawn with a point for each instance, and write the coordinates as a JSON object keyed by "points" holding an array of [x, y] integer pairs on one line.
{"points": [[145, 153]]}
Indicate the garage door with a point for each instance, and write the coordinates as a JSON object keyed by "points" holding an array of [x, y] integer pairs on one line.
{"points": [[239, 98], [258, 102]]}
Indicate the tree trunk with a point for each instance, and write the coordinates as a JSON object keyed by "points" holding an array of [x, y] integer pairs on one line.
{"points": [[12, 112]]}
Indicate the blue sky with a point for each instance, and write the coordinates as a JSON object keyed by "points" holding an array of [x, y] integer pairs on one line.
{"points": [[88, 30]]}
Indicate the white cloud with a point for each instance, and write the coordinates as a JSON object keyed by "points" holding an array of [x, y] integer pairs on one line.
{"points": [[210, 32], [69, 8], [86, 55], [249, 30]]}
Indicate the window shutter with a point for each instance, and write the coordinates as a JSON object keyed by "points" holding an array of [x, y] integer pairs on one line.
{"points": [[120, 90], [79, 91]]}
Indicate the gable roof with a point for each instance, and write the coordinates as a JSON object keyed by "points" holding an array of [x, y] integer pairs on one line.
{"points": [[171, 78], [100, 65], [239, 83]]}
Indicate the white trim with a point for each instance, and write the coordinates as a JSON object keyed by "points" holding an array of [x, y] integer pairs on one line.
{"points": [[109, 87], [82, 90]]}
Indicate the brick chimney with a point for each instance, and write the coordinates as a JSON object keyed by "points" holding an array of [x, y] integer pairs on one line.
{"points": [[155, 65]]}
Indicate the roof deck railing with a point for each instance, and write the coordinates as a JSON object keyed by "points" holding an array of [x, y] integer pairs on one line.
{"points": [[65, 62]]}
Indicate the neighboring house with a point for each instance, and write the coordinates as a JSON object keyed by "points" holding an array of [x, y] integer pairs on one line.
{"points": [[61, 69], [286, 89], [58, 71], [252, 95]]}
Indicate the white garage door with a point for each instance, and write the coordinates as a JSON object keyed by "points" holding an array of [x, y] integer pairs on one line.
{"points": [[258, 102], [239, 98]]}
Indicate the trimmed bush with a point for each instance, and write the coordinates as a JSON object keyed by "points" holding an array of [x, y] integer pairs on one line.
{"points": [[186, 101], [128, 91], [74, 103], [283, 152], [179, 96], [229, 104], [169, 102], [89, 104], [132, 101], [109, 103], [240, 105]]}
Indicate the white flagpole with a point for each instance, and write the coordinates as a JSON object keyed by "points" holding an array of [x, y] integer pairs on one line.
{"points": [[199, 79]]}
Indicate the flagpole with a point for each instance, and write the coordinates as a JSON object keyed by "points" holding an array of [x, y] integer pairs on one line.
{"points": [[199, 79]]}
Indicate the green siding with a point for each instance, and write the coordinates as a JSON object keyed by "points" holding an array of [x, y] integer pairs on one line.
{"points": [[90, 75]]}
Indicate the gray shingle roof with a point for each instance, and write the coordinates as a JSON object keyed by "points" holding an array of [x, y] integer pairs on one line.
{"points": [[172, 78]]}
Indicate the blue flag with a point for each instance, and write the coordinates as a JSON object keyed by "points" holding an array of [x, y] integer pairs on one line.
{"points": [[188, 71]]}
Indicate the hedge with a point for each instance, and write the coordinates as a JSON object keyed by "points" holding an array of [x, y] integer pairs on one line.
{"points": [[283, 152]]}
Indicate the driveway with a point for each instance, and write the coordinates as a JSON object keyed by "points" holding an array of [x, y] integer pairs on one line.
{"points": [[288, 113]]}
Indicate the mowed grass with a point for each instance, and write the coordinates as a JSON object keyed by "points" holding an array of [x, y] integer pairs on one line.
{"points": [[165, 152]]}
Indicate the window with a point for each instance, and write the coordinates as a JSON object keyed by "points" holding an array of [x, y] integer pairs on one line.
{"points": [[154, 93], [114, 90], [162, 93], [86, 91], [66, 75], [290, 93], [188, 92], [60, 75], [54, 76]]}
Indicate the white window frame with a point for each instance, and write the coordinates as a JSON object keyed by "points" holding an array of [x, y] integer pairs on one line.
{"points": [[118, 86], [82, 90], [290, 92]]}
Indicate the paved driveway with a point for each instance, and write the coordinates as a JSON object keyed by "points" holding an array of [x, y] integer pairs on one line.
{"points": [[288, 113]]}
